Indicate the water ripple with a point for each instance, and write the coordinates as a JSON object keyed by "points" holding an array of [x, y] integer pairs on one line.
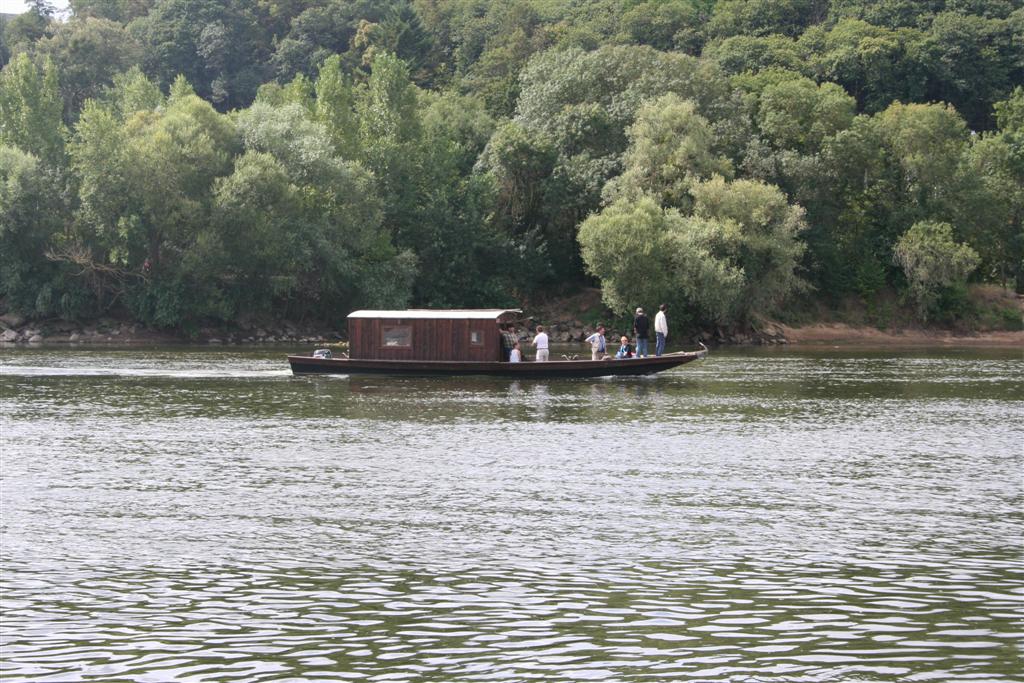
{"points": [[200, 515]]}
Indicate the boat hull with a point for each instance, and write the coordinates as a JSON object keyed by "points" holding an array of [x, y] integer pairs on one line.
{"points": [[307, 365]]}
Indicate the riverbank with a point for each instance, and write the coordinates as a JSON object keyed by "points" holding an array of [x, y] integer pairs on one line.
{"points": [[847, 335], [566, 319], [14, 331]]}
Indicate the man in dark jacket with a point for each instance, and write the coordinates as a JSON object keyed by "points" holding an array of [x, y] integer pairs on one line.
{"points": [[641, 328]]}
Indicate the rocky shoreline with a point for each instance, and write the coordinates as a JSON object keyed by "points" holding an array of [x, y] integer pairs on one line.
{"points": [[16, 330]]}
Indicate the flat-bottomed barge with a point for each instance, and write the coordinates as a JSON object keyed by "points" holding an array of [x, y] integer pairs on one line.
{"points": [[458, 342]]}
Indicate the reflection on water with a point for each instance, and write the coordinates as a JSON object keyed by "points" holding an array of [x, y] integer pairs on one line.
{"points": [[199, 515]]}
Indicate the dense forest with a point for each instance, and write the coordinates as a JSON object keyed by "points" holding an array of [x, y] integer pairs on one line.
{"points": [[187, 162]]}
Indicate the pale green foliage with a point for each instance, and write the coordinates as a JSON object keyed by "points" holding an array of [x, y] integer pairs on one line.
{"points": [[736, 257], [618, 80], [644, 253], [333, 217], [335, 107], [341, 192], [671, 149], [131, 92], [928, 140], [753, 54], [458, 120], [387, 109], [931, 260], [766, 242], [30, 108], [301, 145], [1010, 112], [798, 114], [180, 89], [143, 182]]}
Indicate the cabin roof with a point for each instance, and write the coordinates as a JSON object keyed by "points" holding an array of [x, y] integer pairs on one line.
{"points": [[437, 314]]}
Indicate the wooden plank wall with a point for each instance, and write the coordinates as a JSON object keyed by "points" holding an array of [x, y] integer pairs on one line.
{"points": [[431, 340]]}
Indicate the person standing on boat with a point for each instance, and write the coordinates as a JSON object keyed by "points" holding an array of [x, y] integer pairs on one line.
{"points": [[596, 341], [540, 342], [660, 330], [515, 356], [641, 329], [508, 341]]}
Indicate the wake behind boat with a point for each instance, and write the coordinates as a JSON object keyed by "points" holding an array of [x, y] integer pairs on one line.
{"points": [[458, 342]]}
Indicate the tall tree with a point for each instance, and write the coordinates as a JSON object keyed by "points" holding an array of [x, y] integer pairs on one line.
{"points": [[30, 109]]}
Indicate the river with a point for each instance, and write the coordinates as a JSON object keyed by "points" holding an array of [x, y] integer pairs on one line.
{"points": [[194, 514]]}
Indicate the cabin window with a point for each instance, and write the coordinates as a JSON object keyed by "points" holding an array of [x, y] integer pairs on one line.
{"points": [[396, 336], [476, 337]]}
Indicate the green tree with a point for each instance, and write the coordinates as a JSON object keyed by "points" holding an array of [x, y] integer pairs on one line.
{"points": [[765, 17], [740, 54], [494, 51], [87, 53], [584, 102], [973, 62], [335, 107], [30, 109], [342, 249], [145, 191], [642, 252], [26, 28], [993, 214], [876, 65], [763, 239], [671, 150], [671, 25], [799, 115], [932, 260], [131, 92], [218, 45], [31, 213]]}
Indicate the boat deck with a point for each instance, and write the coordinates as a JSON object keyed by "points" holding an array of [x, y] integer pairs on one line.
{"points": [[554, 368]]}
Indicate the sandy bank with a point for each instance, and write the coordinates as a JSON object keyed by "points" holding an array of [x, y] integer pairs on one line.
{"points": [[841, 334]]}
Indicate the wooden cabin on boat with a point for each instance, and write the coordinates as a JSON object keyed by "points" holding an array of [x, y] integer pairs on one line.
{"points": [[429, 334]]}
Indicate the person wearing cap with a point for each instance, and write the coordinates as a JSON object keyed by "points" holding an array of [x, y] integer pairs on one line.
{"points": [[641, 329], [660, 330]]}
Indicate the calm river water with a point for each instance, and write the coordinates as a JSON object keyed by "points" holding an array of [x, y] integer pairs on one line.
{"points": [[201, 515]]}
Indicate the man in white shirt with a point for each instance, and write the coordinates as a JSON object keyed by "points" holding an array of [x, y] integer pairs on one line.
{"points": [[540, 342], [660, 330]]}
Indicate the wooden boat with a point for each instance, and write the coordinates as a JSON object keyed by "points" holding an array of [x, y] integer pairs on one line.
{"points": [[458, 342]]}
